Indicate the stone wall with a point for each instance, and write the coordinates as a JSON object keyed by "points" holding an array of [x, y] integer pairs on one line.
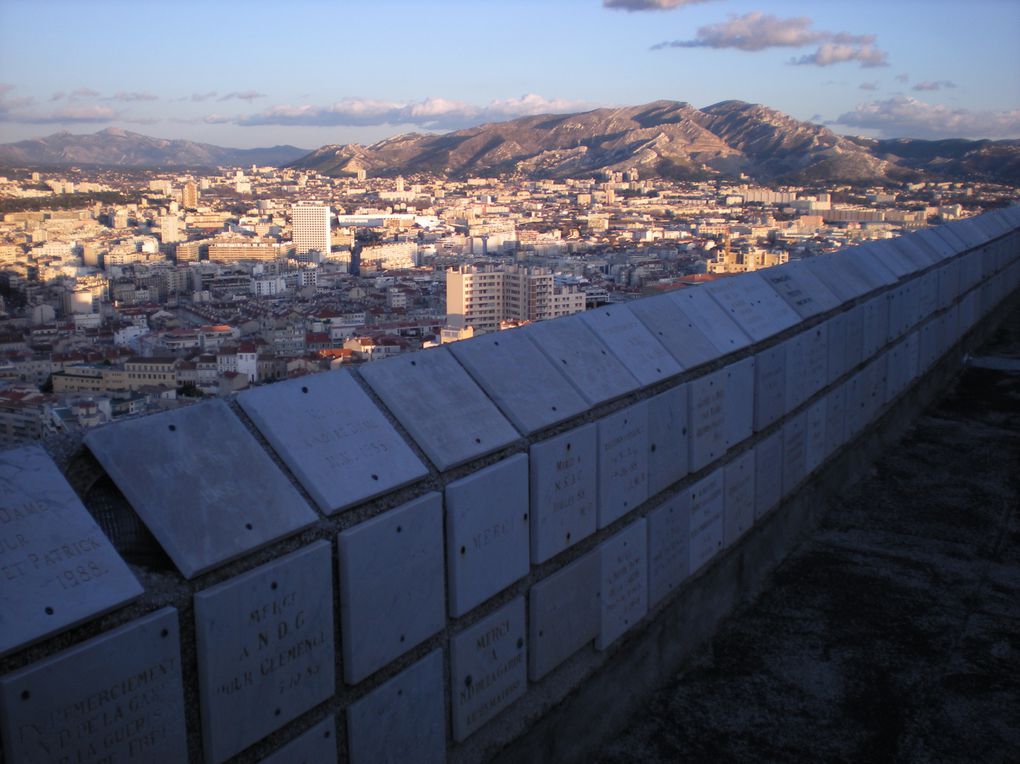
{"points": [[434, 556]]}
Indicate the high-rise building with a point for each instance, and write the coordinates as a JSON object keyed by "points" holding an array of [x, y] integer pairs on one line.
{"points": [[310, 224], [189, 196]]}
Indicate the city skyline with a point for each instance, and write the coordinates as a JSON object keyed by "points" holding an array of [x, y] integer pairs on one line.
{"points": [[314, 73]]}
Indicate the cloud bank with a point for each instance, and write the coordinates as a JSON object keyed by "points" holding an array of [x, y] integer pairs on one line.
{"points": [[649, 5], [905, 117]]}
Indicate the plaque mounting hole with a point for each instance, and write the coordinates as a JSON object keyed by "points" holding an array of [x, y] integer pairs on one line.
{"points": [[327, 734], [467, 681], [653, 448], [248, 526], [658, 370], [684, 431], [525, 517], [564, 361], [496, 343], [568, 446], [568, 536], [603, 352], [400, 529], [520, 642], [553, 408], [400, 692], [402, 637], [25, 694], [172, 428], [541, 633], [304, 390], [277, 712], [274, 586], [164, 633], [463, 550], [48, 610], [375, 477], [414, 363], [478, 440]]}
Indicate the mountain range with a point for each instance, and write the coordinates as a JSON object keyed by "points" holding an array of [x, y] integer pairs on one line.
{"points": [[664, 139]]}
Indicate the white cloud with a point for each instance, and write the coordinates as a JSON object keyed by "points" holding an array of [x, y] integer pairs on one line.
{"points": [[243, 95], [649, 5], [934, 85], [868, 86], [905, 117], [837, 53], [122, 95]]}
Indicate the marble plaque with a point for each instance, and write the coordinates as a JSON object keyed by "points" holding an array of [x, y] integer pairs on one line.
{"points": [[332, 437], [816, 348], [265, 649], [928, 351], [894, 372], [768, 473], [875, 321], [739, 382], [623, 565], [769, 386], [837, 272], [528, 389], [201, 483], [753, 304], [674, 329], [564, 491], [949, 283], [873, 266], [835, 420], [815, 443], [488, 668], [57, 567], [565, 614], [707, 419], [854, 407], [854, 337], [836, 339], [920, 256], [797, 378], [117, 697], [403, 719], [631, 341], [487, 532], [667, 439], [938, 244], [739, 501], [892, 258], [623, 462], [582, 358], [316, 745], [710, 318], [801, 289], [668, 551], [705, 529], [391, 585], [896, 302], [439, 404], [794, 452]]}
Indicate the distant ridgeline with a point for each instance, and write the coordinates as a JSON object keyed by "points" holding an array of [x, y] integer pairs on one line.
{"points": [[421, 559]]}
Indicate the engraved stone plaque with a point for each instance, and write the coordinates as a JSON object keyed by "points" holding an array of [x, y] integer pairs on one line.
{"points": [[816, 348], [667, 438], [875, 323], [403, 719], [836, 336], [623, 563], [201, 484], [892, 258], [621, 331], [316, 744], [57, 567], [854, 408], [835, 419], [488, 668], [565, 614], [265, 649], [582, 358], [675, 330], [525, 385], [801, 289], [794, 452], [707, 499], [768, 473], [854, 337], [796, 371], [815, 443], [836, 271], [117, 697], [710, 318], [769, 386], [739, 381], [873, 264], [738, 505], [442, 408], [333, 438], [623, 462], [391, 585], [753, 304], [564, 491], [487, 532], [668, 550], [707, 417]]}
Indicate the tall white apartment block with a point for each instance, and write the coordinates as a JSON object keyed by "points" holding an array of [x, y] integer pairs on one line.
{"points": [[310, 224]]}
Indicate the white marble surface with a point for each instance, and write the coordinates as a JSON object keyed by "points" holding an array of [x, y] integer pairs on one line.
{"points": [[668, 546], [668, 438], [623, 563], [710, 319], [739, 500], [631, 341], [768, 473], [707, 500], [565, 614], [622, 462]]}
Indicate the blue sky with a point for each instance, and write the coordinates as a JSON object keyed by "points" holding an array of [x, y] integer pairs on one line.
{"points": [[311, 72]]}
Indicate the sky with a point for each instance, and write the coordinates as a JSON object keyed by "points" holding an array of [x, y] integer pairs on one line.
{"points": [[315, 72]]}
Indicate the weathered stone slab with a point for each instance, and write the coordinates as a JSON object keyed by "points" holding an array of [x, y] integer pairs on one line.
{"points": [[707, 502], [874, 264], [794, 452], [675, 330], [754, 305], [668, 547], [738, 505], [316, 744], [565, 614], [564, 491], [835, 420], [854, 408], [815, 436], [201, 483], [937, 243], [838, 273], [582, 358], [441, 407], [667, 438], [854, 337], [487, 532], [623, 462], [949, 283], [709, 317], [624, 582], [707, 417], [769, 386], [523, 382], [333, 438], [265, 649], [391, 585], [836, 340], [488, 668], [801, 289], [57, 567], [117, 697], [892, 258], [631, 341], [739, 382], [402, 719], [797, 384], [768, 473], [875, 322]]}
